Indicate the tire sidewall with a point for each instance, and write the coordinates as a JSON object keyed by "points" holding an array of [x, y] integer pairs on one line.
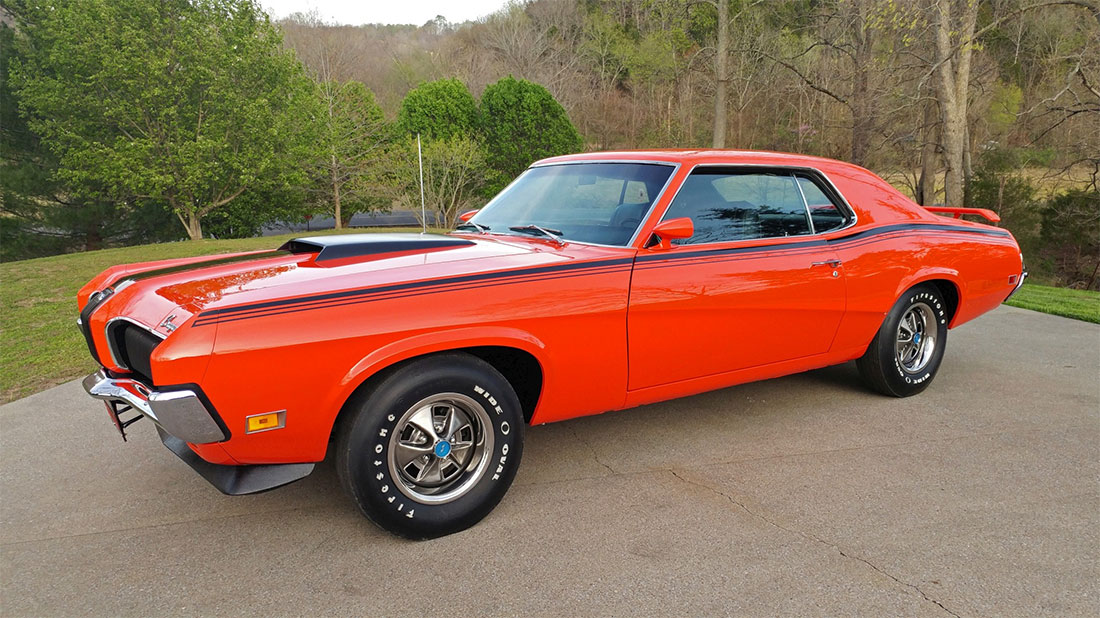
{"points": [[901, 381], [366, 448]]}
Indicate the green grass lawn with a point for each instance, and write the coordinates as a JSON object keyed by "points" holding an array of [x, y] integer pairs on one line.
{"points": [[41, 347], [1076, 304]]}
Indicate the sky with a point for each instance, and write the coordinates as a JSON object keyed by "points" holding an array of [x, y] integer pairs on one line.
{"points": [[356, 12]]}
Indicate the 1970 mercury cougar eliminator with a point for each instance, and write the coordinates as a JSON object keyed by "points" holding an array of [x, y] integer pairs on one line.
{"points": [[594, 282]]}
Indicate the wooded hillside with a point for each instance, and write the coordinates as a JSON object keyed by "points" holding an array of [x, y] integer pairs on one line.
{"points": [[992, 103]]}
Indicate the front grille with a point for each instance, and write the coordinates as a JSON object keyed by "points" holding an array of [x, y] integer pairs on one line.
{"points": [[133, 346]]}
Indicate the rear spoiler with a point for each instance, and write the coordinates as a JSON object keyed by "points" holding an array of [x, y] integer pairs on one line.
{"points": [[959, 212]]}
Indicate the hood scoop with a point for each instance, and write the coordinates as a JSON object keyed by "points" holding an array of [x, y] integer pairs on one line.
{"points": [[344, 246]]}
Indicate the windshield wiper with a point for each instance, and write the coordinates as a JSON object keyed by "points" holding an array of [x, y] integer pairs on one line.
{"points": [[549, 232], [483, 229]]}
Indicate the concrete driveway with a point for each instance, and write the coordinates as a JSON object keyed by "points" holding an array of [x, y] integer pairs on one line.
{"points": [[805, 495]]}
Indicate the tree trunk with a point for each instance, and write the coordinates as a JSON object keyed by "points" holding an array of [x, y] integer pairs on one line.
{"points": [[722, 75], [863, 101], [968, 167], [954, 139], [926, 186], [336, 197], [194, 227], [93, 238], [952, 79], [862, 121]]}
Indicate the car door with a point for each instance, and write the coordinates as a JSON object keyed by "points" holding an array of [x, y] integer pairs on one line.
{"points": [[753, 285]]}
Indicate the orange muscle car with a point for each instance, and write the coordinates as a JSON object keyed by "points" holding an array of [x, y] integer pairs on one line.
{"points": [[593, 282]]}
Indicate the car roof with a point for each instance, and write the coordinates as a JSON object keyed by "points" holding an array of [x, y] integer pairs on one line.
{"points": [[696, 156]]}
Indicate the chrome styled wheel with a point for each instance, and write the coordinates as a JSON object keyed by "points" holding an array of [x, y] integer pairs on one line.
{"points": [[905, 354], [438, 448], [915, 343]]}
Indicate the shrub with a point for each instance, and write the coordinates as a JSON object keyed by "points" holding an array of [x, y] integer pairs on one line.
{"points": [[522, 124], [1071, 236], [998, 186], [442, 109]]}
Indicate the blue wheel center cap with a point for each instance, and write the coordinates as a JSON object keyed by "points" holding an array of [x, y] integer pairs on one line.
{"points": [[442, 448], [916, 337]]}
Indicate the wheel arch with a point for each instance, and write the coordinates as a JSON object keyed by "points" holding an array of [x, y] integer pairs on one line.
{"points": [[946, 283], [517, 355]]}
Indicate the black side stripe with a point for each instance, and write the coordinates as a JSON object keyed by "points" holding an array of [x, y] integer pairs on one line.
{"points": [[935, 227], [769, 251], [707, 253], [557, 271]]}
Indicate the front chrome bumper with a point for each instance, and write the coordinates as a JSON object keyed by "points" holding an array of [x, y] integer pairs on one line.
{"points": [[180, 413]]}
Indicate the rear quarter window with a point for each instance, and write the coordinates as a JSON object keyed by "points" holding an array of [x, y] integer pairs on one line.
{"points": [[825, 214]]}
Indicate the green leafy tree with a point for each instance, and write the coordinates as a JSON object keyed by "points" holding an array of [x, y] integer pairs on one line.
{"points": [[356, 135], [523, 123], [442, 109], [41, 216], [188, 102], [246, 216]]}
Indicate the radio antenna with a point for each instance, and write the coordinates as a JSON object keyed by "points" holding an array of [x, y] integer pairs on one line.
{"points": [[423, 209]]}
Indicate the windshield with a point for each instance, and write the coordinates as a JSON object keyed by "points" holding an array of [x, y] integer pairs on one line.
{"points": [[601, 203]]}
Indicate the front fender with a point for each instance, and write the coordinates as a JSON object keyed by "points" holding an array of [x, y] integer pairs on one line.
{"points": [[430, 343]]}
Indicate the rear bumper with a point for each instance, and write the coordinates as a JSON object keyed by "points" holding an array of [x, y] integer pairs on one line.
{"points": [[181, 413], [1019, 284]]}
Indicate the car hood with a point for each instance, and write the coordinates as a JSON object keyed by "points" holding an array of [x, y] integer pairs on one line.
{"points": [[151, 292]]}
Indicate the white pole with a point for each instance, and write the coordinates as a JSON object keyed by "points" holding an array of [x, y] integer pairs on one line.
{"points": [[423, 209]]}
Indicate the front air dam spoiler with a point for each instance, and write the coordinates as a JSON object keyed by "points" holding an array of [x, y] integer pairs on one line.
{"points": [[236, 480]]}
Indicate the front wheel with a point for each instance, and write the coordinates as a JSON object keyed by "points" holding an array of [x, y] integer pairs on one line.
{"points": [[905, 354], [433, 447]]}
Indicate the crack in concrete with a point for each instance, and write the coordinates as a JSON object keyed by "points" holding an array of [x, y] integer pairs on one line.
{"points": [[814, 538], [591, 449]]}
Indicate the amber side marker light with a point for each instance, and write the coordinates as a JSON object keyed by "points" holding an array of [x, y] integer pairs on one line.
{"points": [[265, 422]]}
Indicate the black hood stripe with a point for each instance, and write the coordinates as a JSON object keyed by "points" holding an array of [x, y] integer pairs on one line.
{"points": [[433, 285], [355, 301], [182, 268], [310, 303]]}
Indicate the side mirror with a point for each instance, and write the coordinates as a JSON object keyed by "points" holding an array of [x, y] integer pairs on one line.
{"points": [[469, 214], [673, 229]]}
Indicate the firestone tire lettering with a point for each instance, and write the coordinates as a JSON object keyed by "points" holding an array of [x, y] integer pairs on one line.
{"points": [[377, 410]]}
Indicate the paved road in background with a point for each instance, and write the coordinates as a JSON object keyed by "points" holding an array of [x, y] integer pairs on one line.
{"points": [[804, 495], [396, 218]]}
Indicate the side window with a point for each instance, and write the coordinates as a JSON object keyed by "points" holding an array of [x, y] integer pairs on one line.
{"points": [[738, 205], [825, 214], [634, 192]]}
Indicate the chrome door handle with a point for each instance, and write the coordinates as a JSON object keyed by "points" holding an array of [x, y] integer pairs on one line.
{"points": [[832, 263]]}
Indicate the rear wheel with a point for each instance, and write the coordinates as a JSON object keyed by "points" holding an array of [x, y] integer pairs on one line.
{"points": [[904, 356], [433, 447]]}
